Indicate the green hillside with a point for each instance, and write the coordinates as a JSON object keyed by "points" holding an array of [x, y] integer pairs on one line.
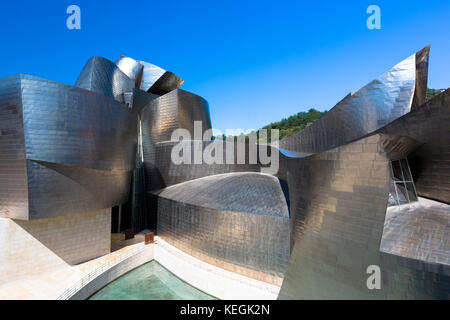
{"points": [[432, 93], [295, 123], [301, 120], [288, 126]]}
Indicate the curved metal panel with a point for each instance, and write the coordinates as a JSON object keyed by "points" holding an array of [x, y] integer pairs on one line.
{"points": [[157, 80], [150, 75], [73, 127], [65, 150], [418, 231], [131, 68], [162, 172], [358, 114], [174, 110], [420, 92], [166, 83], [57, 190], [104, 77], [338, 203], [224, 221], [428, 124], [239, 192], [141, 99], [177, 109], [13, 178]]}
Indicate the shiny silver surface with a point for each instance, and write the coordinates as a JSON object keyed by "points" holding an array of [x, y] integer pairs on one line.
{"points": [[343, 219], [420, 91], [104, 77], [150, 74], [403, 233], [335, 178], [174, 110], [313, 228], [414, 252], [166, 83], [223, 220], [338, 200], [160, 117], [378, 103], [163, 172], [63, 149], [157, 80], [141, 99], [338, 203]]}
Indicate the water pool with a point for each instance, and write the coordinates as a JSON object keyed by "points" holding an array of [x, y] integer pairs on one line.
{"points": [[151, 281]]}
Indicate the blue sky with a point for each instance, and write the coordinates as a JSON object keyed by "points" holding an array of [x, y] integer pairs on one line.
{"points": [[254, 61]]}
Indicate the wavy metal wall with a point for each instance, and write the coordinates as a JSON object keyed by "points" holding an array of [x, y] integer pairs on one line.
{"points": [[223, 220], [338, 202], [428, 124], [378, 103], [75, 149], [104, 77]]}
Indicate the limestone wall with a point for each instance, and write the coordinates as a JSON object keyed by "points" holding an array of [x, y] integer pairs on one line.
{"points": [[32, 247]]}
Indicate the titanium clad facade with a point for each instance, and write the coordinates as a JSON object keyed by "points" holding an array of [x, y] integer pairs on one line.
{"points": [[224, 221], [404, 235], [104, 77], [333, 209], [372, 107], [57, 190], [13, 179], [166, 83], [338, 199], [77, 145], [175, 110], [74, 127], [141, 99], [166, 173], [131, 68], [420, 92], [338, 202], [150, 73], [157, 80], [336, 190], [430, 164]]}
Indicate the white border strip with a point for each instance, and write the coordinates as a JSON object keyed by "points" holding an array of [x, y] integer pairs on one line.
{"points": [[214, 281], [102, 269]]}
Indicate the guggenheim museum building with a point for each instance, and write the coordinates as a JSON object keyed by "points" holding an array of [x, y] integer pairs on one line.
{"points": [[368, 184]]}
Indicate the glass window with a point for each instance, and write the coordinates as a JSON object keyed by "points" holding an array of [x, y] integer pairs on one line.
{"points": [[397, 171], [392, 195], [405, 170], [411, 191], [401, 192], [401, 189]]}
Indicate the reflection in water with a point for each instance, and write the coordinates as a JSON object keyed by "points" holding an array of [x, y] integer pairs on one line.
{"points": [[150, 281]]}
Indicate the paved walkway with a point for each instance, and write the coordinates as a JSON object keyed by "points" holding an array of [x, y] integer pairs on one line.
{"points": [[66, 281], [51, 285]]}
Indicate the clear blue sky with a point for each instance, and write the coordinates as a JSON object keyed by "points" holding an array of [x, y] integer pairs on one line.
{"points": [[254, 61]]}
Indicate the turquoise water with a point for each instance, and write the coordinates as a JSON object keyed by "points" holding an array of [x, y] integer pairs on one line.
{"points": [[151, 281]]}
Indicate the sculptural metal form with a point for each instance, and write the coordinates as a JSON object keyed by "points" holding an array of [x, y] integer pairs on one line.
{"points": [[313, 228]]}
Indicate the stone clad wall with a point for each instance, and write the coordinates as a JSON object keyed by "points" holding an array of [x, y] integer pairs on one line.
{"points": [[33, 247]]}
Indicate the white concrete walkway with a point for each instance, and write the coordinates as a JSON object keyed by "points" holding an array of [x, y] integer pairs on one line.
{"points": [[68, 281], [54, 284]]}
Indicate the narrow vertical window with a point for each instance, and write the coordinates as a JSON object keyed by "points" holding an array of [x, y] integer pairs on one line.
{"points": [[402, 189]]}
